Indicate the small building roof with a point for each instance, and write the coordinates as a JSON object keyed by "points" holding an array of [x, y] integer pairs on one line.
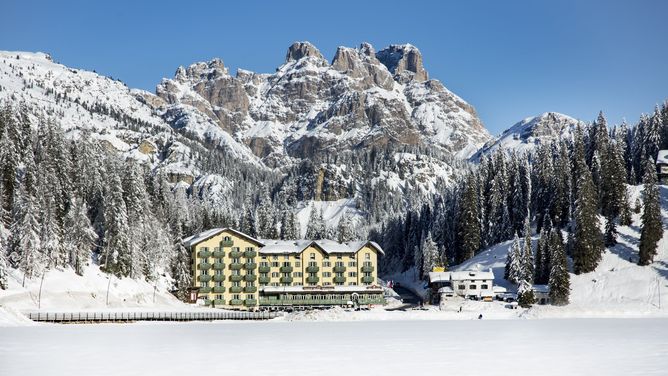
{"points": [[662, 157], [446, 290], [435, 277]]}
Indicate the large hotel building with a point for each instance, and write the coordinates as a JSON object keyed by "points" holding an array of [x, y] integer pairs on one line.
{"points": [[234, 270]]}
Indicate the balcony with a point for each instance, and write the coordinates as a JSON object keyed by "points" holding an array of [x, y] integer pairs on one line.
{"points": [[250, 266], [250, 302], [339, 279], [250, 277], [339, 269], [367, 279], [312, 269], [286, 279], [250, 289], [286, 269], [265, 280], [367, 269], [250, 254], [236, 278], [313, 279], [219, 278], [204, 278], [204, 290], [235, 254], [219, 289], [264, 269], [203, 254], [227, 243], [219, 254], [236, 266], [219, 266], [218, 302], [204, 266], [236, 289], [235, 302]]}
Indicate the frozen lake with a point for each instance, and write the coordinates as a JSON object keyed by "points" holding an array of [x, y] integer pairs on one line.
{"points": [[476, 347]]}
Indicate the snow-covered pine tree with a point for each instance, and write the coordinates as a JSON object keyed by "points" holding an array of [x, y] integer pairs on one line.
{"points": [[180, 265], [588, 240], [79, 239], [429, 255], [345, 231], [559, 280], [542, 269], [513, 270], [316, 225], [468, 229], [525, 295], [652, 228], [625, 218], [116, 254], [266, 221], [248, 222], [526, 258]]}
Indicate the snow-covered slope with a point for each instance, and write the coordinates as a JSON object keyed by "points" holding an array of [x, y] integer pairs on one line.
{"points": [[532, 131], [618, 286]]}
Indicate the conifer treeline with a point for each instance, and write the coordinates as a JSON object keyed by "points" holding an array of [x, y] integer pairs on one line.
{"points": [[563, 185]]}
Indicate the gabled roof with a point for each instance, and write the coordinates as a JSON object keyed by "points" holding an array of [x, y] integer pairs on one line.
{"points": [[460, 276], [208, 234]]}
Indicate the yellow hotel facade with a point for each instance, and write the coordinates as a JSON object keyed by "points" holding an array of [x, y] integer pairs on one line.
{"points": [[233, 270]]}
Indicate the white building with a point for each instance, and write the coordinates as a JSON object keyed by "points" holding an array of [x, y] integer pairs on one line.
{"points": [[467, 284], [662, 166]]}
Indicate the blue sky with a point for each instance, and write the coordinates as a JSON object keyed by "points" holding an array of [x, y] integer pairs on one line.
{"points": [[509, 59]]}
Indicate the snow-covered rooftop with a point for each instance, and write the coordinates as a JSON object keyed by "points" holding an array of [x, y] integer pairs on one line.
{"points": [[272, 246], [460, 276], [662, 157]]}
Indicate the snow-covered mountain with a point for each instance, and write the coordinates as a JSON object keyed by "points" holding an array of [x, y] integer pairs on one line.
{"points": [[345, 119], [532, 131], [310, 108]]}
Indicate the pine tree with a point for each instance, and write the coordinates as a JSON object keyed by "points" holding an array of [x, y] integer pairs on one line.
{"points": [[180, 265], [345, 231], [525, 295], [468, 231], [80, 237], [527, 259], [116, 253], [588, 240], [316, 225], [559, 280], [625, 218], [430, 255], [4, 245], [513, 271], [652, 228]]}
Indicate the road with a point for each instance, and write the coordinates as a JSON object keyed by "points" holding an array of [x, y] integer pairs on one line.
{"points": [[408, 297]]}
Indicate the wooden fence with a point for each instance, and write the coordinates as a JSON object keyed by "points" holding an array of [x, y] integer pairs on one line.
{"points": [[98, 317]]}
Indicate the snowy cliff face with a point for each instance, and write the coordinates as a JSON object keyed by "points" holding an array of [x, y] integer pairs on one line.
{"points": [[310, 107], [532, 131]]}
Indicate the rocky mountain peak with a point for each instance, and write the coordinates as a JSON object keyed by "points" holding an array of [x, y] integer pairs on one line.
{"points": [[299, 50], [404, 61]]}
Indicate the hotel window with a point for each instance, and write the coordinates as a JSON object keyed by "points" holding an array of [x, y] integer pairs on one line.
{"points": [[472, 287], [215, 249], [218, 284], [328, 283], [275, 264], [203, 272], [235, 249], [264, 263], [286, 263], [219, 297], [235, 261], [340, 263], [298, 257], [312, 256], [236, 297], [367, 274], [352, 274], [461, 287], [298, 264], [274, 257], [236, 272], [367, 256], [297, 274], [263, 275], [236, 284], [352, 284], [484, 287], [227, 238], [327, 264], [339, 274], [312, 263], [204, 284], [250, 284], [286, 257], [327, 274], [274, 284], [204, 249], [275, 274], [249, 248], [264, 257], [249, 296], [219, 260], [352, 264], [338, 257], [219, 272]]}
